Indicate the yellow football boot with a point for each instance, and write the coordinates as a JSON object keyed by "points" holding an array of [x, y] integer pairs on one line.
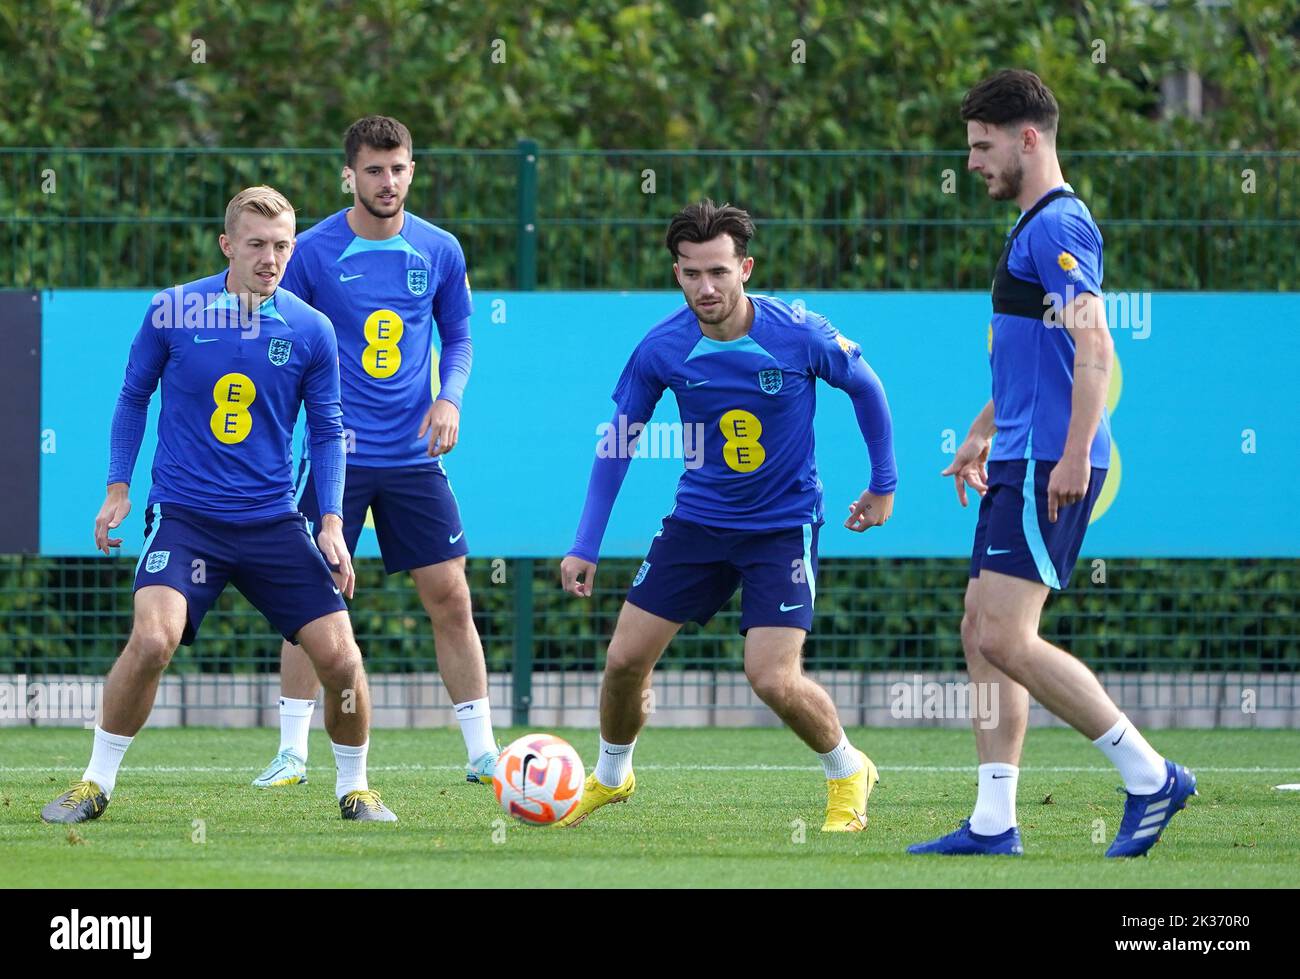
{"points": [[846, 799], [595, 795]]}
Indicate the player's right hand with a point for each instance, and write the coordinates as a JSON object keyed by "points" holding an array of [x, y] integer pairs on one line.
{"points": [[335, 550], [968, 467], [111, 514], [573, 568]]}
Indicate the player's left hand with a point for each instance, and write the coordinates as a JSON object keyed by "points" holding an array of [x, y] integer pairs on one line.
{"points": [[869, 510], [442, 422], [1067, 484], [335, 549]]}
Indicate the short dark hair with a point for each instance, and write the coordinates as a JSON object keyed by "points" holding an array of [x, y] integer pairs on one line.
{"points": [[1011, 96], [377, 132], [704, 221]]}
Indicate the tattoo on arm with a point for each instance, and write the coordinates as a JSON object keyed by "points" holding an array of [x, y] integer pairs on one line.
{"points": [[1084, 363]]}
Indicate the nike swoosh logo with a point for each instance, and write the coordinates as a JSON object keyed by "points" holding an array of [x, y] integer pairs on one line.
{"points": [[695, 384], [452, 540], [523, 775], [992, 553], [463, 707], [1001, 776], [623, 752], [208, 340], [349, 278], [789, 608], [1120, 738], [337, 592]]}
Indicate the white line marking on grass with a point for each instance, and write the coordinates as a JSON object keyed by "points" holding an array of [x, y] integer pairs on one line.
{"points": [[223, 770]]}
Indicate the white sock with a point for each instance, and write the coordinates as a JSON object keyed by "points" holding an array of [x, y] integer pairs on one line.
{"points": [[841, 761], [295, 722], [1139, 764], [995, 806], [614, 763], [350, 768], [105, 758], [475, 718]]}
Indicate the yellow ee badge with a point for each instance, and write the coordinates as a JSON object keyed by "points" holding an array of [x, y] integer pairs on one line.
{"points": [[1067, 262], [847, 345]]}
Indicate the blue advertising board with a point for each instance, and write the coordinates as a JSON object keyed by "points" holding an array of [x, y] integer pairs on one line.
{"points": [[1203, 413]]}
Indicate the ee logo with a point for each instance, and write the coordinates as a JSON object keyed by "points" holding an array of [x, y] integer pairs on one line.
{"points": [[382, 357], [232, 394], [742, 451]]}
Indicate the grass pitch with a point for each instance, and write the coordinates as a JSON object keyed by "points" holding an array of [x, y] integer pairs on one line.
{"points": [[712, 808]]}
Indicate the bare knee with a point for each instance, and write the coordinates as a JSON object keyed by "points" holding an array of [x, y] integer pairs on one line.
{"points": [[445, 594], [772, 686], [339, 666], [152, 645], [970, 632], [625, 663], [999, 644]]}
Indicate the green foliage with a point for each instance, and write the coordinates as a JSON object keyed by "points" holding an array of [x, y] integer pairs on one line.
{"points": [[819, 75], [823, 74]]}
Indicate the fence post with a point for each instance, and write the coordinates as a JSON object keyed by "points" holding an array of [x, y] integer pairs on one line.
{"points": [[526, 217], [521, 671]]}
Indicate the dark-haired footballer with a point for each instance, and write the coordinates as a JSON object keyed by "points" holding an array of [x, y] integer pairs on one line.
{"points": [[386, 278], [744, 370], [1050, 354]]}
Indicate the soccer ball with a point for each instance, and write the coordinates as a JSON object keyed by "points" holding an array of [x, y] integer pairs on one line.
{"points": [[538, 779]]}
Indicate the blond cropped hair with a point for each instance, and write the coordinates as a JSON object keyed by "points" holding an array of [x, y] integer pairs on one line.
{"points": [[263, 200]]}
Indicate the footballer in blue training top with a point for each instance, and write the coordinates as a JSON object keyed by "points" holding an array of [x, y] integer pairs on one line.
{"points": [[236, 358], [1051, 353], [386, 279], [744, 371]]}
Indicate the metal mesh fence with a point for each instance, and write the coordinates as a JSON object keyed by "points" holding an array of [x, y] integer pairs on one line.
{"points": [[568, 219], [1189, 635]]}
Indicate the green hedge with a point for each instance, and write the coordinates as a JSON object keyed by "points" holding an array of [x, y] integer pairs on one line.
{"points": [[72, 615]]}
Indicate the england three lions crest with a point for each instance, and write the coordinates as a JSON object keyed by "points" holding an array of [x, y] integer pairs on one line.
{"points": [[279, 351], [157, 561], [417, 280], [770, 380]]}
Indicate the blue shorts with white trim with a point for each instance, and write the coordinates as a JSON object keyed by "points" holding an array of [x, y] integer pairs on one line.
{"points": [[273, 562], [1013, 535], [417, 520], [693, 570]]}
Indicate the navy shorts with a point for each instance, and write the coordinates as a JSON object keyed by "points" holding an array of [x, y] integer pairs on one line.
{"points": [[273, 563], [417, 520], [1013, 536], [693, 570]]}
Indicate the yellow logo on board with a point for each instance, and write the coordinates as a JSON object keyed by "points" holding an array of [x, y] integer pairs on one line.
{"points": [[1110, 488]]}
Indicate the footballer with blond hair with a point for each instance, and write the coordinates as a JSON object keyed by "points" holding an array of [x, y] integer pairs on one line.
{"points": [[236, 357]]}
